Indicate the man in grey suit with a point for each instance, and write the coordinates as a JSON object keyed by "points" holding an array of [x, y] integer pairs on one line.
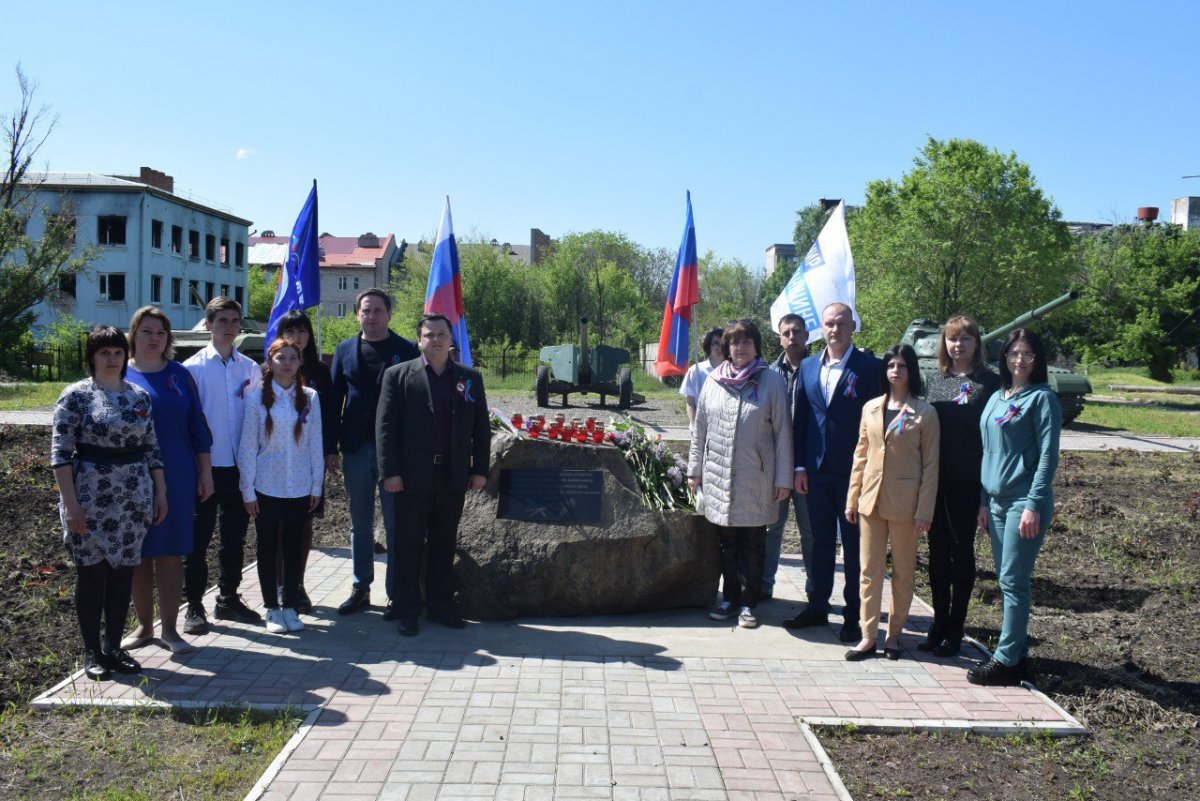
{"points": [[433, 435]]}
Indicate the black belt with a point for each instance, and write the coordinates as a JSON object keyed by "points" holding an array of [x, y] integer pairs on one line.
{"points": [[98, 455]]}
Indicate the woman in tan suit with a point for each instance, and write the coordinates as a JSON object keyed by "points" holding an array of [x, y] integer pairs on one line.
{"points": [[893, 485]]}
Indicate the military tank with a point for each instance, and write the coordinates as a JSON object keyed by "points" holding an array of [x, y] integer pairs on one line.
{"points": [[250, 341], [924, 336]]}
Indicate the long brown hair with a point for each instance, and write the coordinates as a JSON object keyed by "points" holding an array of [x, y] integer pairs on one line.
{"points": [[268, 390]]}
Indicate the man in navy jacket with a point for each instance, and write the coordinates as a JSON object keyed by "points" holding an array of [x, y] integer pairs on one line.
{"points": [[828, 409], [358, 367]]}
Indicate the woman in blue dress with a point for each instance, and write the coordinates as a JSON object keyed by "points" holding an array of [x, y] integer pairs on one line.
{"points": [[185, 443]]}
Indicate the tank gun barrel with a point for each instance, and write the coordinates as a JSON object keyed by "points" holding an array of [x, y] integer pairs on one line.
{"points": [[1029, 316]]}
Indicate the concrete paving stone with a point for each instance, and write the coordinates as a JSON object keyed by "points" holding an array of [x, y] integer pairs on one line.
{"points": [[485, 772], [462, 791], [597, 775], [524, 778], [569, 793]]}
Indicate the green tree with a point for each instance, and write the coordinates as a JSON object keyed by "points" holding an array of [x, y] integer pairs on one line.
{"points": [[260, 292], [31, 269], [1141, 292], [730, 290], [967, 231]]}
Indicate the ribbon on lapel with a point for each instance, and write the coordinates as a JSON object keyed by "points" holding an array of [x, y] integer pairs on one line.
{"points": [[851, 390], [899, 423], [1013, 412], [964, 393]]}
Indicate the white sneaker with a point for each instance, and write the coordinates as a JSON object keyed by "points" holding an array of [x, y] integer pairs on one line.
{"points": [[292, 620], [746, 618], [276, 622]]}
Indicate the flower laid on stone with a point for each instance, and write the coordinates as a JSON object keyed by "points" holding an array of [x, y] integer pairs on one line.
{"points": [[659, 471]]}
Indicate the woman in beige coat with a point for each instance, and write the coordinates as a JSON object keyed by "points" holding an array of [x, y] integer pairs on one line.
{"points": [[741, 459], [893, 485]]}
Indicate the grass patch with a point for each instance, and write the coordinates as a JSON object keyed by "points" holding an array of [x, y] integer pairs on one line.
{"points": [[1142, 420], [1101, 377], [29, 395], [95, 754]]}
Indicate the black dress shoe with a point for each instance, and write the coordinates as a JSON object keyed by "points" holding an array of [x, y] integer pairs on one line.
{"points": [[389, 611], [892, 653], [855, 655], [94, 667], [232, 607], [948, 647], [451, 620], [358, 600], [807, 619], [408, 627], [850, 632], [120, 661], [933, 639]]}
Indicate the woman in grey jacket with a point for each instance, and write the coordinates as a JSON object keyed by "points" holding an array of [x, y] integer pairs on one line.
{"points": [[741, 460]]}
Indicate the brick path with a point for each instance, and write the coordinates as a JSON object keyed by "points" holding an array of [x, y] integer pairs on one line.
{"points": [[661, 706]]}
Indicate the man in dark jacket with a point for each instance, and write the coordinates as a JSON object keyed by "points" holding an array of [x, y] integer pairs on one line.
{"points": [[830, 395], [358, 367], [433, 434], [793, 337]]}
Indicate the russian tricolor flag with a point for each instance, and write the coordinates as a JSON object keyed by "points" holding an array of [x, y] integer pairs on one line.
{"points": [[684, 294], [444, 294]]}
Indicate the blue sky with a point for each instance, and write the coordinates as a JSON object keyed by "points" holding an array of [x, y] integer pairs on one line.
{"points": [[573, 116]]}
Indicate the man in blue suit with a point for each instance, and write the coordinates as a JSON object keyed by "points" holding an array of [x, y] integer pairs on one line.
{"points": [[358, 367], [828, 409]]}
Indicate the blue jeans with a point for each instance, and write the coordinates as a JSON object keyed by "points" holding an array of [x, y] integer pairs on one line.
{"points": [[826, 504], [775, 543], [1014, 557], [361, 472]]}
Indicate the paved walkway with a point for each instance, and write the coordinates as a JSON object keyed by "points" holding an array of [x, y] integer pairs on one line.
{"points": [[660, 706]]}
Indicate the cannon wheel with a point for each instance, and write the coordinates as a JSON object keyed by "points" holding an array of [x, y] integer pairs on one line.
{"points": [[541, 387], [625, 383]]}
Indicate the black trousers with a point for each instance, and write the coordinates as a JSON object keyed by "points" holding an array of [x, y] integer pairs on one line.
{"points": [[743, 551], [102, 591], [952, 555], [227, 499], [280, 528], [426, 521]]}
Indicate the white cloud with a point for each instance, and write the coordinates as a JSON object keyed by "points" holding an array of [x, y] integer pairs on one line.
{"points": [[244, 153]]}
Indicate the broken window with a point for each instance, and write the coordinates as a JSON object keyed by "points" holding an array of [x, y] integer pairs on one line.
{"points": [[110, 230]]}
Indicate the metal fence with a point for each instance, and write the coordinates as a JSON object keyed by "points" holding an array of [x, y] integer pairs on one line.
{"points": [[48, 362]]}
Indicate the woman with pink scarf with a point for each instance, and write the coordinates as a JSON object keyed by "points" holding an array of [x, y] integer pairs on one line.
{"points": [[740, 461]]}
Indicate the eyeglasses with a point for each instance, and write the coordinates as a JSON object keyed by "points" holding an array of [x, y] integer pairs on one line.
{"points": [[1021, 355]]}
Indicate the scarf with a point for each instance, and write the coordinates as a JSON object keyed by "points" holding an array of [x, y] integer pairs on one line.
{"points": [[728, 375]]}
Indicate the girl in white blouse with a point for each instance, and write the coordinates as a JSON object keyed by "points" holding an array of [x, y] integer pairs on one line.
{"points": [[282, 468]]}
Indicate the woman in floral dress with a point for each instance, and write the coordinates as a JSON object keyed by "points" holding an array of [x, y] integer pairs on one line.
{"points": [[110, 478]]}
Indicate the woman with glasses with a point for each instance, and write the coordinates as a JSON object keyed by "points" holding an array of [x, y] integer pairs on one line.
{"points": [[741, 459], [959, 390], [1019, 428]]}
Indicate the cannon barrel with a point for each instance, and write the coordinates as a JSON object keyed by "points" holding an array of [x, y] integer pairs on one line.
{"points": [[1029, 316]]}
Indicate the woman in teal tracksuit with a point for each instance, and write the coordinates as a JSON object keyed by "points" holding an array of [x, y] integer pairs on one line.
{"points": [[1020, 427]]}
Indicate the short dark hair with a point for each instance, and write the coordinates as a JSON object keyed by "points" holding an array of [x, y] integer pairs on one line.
{"points": [[105, 336], [1040, 374], [433, 317], [220, 304], [707, 342], [916, 386], [298, 319], [377, 292], [791, 317], [739, 329]]}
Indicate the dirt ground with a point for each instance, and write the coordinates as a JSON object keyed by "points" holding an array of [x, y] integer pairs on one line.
{"points": [[1115, 621], [1114, 627]]}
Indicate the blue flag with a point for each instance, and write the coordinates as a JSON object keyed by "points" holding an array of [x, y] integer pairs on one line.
{"points": [[299, 278]]}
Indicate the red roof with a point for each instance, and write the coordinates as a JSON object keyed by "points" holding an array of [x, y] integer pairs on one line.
{"points": [[338, 251]]}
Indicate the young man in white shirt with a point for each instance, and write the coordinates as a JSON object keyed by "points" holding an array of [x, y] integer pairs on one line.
{"points": [[223, 376]]}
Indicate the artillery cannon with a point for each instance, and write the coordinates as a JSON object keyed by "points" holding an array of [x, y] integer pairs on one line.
{"points": [[580, 368], [925, 336]]}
